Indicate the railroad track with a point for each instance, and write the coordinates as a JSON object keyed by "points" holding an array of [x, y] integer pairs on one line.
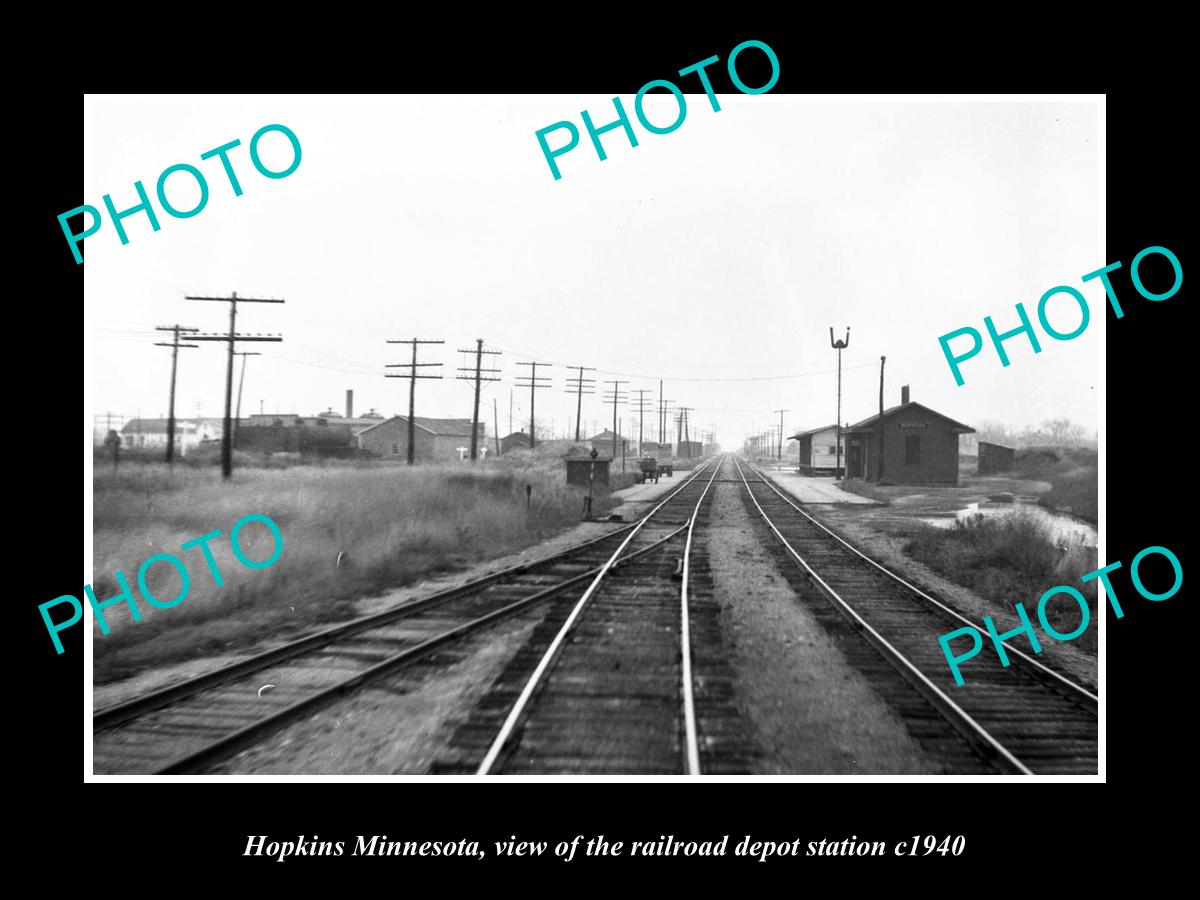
{"points": [[1025, 719], [632, 679], [192, 725]]}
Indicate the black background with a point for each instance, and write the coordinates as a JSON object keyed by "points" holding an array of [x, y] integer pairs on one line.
{"points": [[198, 832]]}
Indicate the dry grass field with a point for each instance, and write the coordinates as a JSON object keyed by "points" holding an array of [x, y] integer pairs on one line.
{"points": [[392, 525]]}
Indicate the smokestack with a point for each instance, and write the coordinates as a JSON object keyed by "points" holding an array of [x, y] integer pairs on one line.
{"points": [[904, 394], [350, 403]]}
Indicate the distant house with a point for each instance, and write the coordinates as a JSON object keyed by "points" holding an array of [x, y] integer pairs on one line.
{"points": [[189, 433], [514, 441], [920, 445], [690, 449], [606, 437], [818, 450], [435, 440]]}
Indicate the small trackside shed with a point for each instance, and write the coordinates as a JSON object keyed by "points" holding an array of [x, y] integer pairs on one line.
{"points": [[995, 458], [920, 445], [580, 469], [818, 450]]}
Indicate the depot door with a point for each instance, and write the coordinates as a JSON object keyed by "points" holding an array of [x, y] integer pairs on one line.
{"points": [[854, 458]]}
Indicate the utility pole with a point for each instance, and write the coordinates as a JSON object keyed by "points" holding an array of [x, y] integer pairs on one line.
{"points": [[237, 417], [580, 387], [623, 443], [232, 338], [781, 412], [533, 381], [683, 421], [641, 408], [664, 407], [412, 375], [496, 423], [882, 360], [174, 345], [617, 397], [660, 413], [839, 346], [479, 377]]}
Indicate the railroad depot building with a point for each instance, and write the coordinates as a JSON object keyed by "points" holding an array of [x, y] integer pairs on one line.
{"points": [[818, 450], [435, 440], [920, 445]]}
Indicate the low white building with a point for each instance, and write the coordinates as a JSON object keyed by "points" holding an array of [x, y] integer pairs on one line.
{"points": [[818, 450], [152, 433]]}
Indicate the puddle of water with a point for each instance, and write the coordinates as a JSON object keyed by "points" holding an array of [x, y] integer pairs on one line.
{"points": [[1061, 527]]}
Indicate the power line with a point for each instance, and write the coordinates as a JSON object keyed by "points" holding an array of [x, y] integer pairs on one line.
{"points": [[533, 381], [412, 375], [580, 387], [237, 421], [617, 397], [641, 410], [643, 376], [175, 347], [479, 377], [231, 339]]}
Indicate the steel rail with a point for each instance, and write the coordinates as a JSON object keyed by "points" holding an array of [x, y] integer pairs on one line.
{"points": [[514, 715], [1016, 651], [255, 731], [975, 732], [121, 713], [685, 640]]}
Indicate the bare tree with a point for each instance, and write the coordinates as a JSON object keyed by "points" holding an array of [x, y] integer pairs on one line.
{"points": [[994, 432]]}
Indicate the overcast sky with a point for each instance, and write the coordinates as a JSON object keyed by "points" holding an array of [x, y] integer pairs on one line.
{"points": [[715, 257]]}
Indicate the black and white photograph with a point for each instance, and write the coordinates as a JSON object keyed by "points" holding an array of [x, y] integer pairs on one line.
{"points": [[576, 444]]}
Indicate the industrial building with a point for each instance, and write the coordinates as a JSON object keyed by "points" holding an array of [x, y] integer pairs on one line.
{"points": [[818, 450], [435, 440], [920, 445]]}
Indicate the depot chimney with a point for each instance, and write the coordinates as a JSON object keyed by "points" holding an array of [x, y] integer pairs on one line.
{"points": [[350, 403], [904, 394]]}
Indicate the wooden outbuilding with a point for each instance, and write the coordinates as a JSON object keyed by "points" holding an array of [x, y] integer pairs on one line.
{"points": [[995, 458], [580, 470]]}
